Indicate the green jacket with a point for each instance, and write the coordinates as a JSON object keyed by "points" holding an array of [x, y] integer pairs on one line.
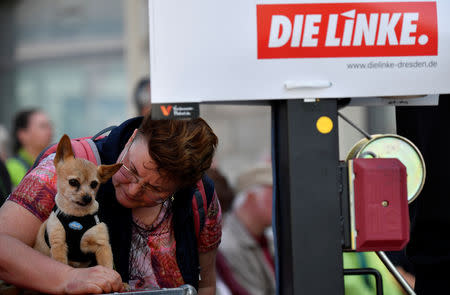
{"points": [[18, 166]]}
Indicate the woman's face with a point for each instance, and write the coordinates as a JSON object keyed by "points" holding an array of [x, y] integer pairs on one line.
{"points": [[138, 182], [38, 133]]}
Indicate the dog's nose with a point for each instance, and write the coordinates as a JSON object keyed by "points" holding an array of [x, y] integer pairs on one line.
{"points": [[87, 199]]}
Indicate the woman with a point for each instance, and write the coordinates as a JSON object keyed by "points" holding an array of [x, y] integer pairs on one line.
{"points": [[160, 159], [32, 132]]}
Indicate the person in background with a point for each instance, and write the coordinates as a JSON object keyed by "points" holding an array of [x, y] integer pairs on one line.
{"points": [[4, 143], [142, 97], [32, 132], [244, 244], [5, 181], [401, 262], [429, 245], [225, 192]]}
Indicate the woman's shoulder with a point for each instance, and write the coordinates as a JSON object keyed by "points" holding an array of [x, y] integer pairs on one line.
{"points": [[212, 232]]}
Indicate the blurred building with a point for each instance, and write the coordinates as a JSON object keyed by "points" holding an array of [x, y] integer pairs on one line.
{"points": [[80, 60], [69, 58]]}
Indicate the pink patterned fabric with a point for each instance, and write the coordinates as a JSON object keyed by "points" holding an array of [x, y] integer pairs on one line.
{"points": [[153, 248], [152, 261], [36, 192]]}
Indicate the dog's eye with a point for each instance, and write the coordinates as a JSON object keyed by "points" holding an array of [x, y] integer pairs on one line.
{"points": [[94, 184], [73, 182]]}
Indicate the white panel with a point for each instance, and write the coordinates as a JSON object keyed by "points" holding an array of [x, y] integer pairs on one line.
{"points": [[207, 50]]}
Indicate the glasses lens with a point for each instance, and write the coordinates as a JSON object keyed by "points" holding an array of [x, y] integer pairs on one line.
{"points": [[131, 177], [127, 174]]}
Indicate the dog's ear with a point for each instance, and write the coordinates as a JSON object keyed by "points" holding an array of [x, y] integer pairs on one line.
{"points": [[64, 150], [105, 172]]}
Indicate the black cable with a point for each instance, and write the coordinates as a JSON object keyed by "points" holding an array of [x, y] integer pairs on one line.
{"points": [[367, 135]]}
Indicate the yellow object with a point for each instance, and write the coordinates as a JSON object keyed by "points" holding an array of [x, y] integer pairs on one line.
{"points": [[324, 125]]}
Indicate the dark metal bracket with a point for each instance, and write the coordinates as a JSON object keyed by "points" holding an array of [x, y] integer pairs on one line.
{"points": [[367, 271]]}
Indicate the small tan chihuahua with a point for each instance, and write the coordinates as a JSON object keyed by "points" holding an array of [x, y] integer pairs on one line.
{"points": [[73, 233]]}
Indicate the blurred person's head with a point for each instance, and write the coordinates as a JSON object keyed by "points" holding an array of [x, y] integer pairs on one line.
{"points": [[4, 143], [142, 97], [253, 204], [224, 191], [32, 131]]}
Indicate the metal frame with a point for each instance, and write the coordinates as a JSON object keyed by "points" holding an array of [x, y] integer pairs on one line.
{"points": [[307, 202], [368, 271], [311, 203]]}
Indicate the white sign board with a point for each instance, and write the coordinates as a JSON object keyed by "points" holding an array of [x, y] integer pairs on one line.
{"points": [[210, 50]]}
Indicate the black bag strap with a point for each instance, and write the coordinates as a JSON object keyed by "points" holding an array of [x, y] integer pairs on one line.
{"points": [[41, 155], [101, 132], [209, 192], [185, 228]]}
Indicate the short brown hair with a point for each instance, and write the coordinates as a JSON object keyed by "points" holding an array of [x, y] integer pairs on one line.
{"points": [[182, 149]]}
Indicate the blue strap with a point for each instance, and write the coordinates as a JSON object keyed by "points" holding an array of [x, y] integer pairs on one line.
{"points": [[208, 185], [101, 132], [201, 209]]}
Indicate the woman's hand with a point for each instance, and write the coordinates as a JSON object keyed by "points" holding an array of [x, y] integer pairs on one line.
{"points": [[97, 279], [24, 267]]}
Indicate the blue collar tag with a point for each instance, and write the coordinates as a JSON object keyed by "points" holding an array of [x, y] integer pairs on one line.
{"points": [[75, 225]]}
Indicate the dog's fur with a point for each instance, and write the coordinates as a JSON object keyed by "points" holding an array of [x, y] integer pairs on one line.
{"points": [[78, 181]]}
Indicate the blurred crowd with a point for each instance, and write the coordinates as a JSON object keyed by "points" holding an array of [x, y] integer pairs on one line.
{"points": [[31, 132]]}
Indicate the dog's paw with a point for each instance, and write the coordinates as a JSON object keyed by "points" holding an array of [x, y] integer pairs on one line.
{"points": [[126, 287]]}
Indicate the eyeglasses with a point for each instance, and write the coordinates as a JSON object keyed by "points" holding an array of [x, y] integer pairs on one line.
{"points": [[145, 187]]}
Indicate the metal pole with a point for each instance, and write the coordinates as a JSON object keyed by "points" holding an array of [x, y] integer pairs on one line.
{"points": [[307, 207], [395, 272]]}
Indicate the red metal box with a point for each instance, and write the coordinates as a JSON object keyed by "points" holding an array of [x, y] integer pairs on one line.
{"points": [[379, 204]]}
